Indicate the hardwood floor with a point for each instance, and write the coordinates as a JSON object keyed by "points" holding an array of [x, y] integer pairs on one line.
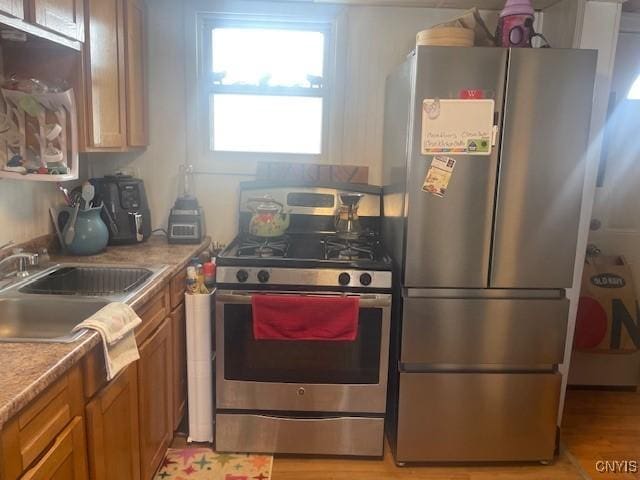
{"points": [[602, 425], [598, 425], [299, 468], [285, 468]]}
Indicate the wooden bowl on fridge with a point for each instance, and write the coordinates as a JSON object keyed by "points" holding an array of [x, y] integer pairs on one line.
{"points": [[446, 37]]}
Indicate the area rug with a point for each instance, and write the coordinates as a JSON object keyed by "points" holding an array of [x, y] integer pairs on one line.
{"points": [[205, 464]]}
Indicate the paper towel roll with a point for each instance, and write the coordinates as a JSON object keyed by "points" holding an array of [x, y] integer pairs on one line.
{"points": [[199, 367]]}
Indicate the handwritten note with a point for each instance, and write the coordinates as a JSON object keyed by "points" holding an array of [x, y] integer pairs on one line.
{"points": [[457, 127]]}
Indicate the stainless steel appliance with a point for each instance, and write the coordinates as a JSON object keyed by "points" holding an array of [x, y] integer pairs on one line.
{"points": [[186, 218], [126, 210], [480, 312], [301, 396], [186, 221]]}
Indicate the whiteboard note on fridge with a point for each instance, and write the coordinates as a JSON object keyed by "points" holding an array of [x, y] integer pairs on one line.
{"points": [[457, 127]]}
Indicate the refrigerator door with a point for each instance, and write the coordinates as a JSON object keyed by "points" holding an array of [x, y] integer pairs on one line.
{"points": [[448, 239], [544, 139]]}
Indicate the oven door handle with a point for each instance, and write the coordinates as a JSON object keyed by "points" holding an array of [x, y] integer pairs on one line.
{"points": [[366, 300]]}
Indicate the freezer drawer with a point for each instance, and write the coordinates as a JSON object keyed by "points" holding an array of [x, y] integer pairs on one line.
{"points": [[542, 165], [484, 331], [459, 417], [237, 432]]}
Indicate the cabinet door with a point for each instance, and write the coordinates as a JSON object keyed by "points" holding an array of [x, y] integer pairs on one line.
{"points": [[65, 17], [155, 399], [12, 7], [66, 459], [104, 70], [136, 99], [544, 142], [112, 429], [179, 329]]}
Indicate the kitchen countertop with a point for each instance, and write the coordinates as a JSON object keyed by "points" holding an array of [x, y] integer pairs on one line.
{"points": [[29, 368]]}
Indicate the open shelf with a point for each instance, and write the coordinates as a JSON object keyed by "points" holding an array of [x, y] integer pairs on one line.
{"points": [[38, 177]]}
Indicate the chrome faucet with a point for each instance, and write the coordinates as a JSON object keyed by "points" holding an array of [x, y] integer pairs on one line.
{"points": [[24, 260]]}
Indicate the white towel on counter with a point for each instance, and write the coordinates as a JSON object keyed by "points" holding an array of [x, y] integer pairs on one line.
{"points": [[115, 323]]}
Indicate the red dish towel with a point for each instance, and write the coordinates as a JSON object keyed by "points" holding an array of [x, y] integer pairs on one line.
{"points": [[300, 317]]}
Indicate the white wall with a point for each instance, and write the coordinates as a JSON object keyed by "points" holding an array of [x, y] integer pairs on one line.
{"points": [[370, 42], [24, 209]]}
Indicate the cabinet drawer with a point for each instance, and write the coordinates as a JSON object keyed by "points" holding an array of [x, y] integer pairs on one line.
{"points": [[66, 459], [152, 314], [451, 417], [177, 287], [26, 436], [489, 331], [65, 17]]}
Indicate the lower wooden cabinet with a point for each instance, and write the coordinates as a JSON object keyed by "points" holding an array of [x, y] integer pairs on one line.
{"points": [[155, 398], [66, 459], [112, 429], [179, 334]]}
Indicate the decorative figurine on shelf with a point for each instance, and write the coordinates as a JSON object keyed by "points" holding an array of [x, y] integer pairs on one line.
{"points": [[15, 164]]}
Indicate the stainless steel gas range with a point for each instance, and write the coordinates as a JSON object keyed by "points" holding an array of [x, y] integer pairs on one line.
{"points": [[295, 396]]}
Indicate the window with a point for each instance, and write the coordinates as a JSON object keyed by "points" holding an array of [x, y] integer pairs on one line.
{"points": [[266, 87]]}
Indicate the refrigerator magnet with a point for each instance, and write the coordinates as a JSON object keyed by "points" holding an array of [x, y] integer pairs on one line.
{"points": [[457, 127], [439, 175]]}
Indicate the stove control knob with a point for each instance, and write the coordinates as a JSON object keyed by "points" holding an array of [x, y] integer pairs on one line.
{"points": [[242, 276], [263, 276], [365, 279], [344, 279]]}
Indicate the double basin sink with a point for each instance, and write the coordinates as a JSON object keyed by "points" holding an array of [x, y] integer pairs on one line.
{"points": [[46, 306]]}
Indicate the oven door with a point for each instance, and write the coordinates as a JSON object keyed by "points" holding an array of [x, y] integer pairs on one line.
{"points": [[301, 376]]}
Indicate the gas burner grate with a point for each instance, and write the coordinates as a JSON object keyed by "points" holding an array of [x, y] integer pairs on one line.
{"points": [[263, 247], [348, 250]]}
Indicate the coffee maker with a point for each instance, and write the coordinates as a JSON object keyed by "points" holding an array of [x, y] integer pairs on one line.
{"points": [[347, 221], [186, 219]]}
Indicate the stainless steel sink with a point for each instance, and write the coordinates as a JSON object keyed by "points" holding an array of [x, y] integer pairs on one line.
{"points": [[46, 306], [88, 281], [44, 319]]}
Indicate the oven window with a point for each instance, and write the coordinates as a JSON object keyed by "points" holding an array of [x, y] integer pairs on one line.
{"points": [[302, 361]]}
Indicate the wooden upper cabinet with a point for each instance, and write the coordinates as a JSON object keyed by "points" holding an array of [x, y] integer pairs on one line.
{"points": [[112, 429], [66, 459], [65, 17], [14, 8], [155, 389], [105, 75], [135, 71]]}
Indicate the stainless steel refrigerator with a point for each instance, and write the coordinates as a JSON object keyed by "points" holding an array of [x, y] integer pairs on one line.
{"points": [[480, 311]]}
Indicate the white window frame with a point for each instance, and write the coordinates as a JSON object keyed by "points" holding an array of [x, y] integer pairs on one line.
{"points": [[207, 87]]}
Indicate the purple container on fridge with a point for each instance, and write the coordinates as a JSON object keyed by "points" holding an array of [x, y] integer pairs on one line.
{"points": [[515, 25]]}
